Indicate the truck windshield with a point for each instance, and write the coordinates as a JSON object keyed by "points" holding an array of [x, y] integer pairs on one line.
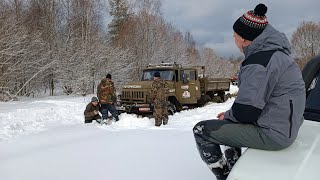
{"points": [[165, 75], [312, 110]]}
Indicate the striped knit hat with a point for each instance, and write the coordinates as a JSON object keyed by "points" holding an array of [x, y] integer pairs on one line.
{"points": [[251, 24]]}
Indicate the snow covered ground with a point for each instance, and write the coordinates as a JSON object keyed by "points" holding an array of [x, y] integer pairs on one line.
{"points": [[45, 138]]}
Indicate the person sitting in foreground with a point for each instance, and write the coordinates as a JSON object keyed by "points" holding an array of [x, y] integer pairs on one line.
{"points": [[268, 111]]}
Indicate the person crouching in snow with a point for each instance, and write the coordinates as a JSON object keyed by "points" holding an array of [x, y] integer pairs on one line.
{"points": [[92, 111], [268, 110]]}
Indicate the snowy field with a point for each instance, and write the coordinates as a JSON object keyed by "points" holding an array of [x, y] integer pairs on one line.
{"points": [[45, 138]]}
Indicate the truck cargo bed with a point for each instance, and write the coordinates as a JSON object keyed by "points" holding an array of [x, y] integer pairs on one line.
{"points": [[217, 84]]}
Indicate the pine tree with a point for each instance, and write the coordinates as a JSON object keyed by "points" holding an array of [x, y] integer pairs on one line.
{"points": [[120, 12]]}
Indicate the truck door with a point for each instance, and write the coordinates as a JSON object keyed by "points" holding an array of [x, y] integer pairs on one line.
{"points": [[189, 91]]}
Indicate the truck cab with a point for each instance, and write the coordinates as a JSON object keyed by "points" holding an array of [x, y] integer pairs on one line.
{"points": [[301, 159], [176, 76]]}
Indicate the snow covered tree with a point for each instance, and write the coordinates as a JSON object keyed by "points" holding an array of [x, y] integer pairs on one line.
{"points": [[215, 66], [193, 56], [150, 38], [61, 46], [306, 41]]}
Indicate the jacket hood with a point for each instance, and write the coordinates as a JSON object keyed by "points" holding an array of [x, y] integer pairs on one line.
{"points": [[269, 39]]}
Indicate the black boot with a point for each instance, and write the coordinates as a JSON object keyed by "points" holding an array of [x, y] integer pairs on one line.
{"points": [[165, 120], [221, 173], [157, 122], [232, 155], [210, 153], [87, 121], [116, 118]]}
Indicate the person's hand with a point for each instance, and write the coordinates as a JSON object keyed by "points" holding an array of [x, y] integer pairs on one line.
{"points": [[220, 116], [96, 112]]}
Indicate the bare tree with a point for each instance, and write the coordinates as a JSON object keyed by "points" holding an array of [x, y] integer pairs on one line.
{"points": [[215, 66], [81, 46], [62, 46], [306, 41], [193, 53]]}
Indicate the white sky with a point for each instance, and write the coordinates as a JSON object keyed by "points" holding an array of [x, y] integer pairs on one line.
{"points": [[45, 138], [211, 21]]}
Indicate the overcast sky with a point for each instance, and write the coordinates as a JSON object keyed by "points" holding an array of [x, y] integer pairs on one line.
{"points": [[211, 21]]}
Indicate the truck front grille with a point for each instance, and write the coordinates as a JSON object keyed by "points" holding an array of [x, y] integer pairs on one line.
{"points": [[138, 94], [133, 97]]}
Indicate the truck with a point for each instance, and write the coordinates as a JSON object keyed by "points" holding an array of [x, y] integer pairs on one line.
{"points": [[188, 88], [301, 159]]}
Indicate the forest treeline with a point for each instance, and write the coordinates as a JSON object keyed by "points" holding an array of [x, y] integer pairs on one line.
{"points": [[51, 47]]}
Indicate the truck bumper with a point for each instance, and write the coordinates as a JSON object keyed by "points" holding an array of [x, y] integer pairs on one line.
{"points": [[135, 108]]}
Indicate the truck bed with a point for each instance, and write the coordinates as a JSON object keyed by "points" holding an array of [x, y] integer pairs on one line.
{"points": [[217, 84]]}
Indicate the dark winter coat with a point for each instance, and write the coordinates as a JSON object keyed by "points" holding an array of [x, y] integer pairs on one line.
{"points": [[89, 111], [271, 89], [106, 92]]}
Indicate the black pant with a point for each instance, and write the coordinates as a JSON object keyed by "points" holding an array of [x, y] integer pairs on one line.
{"points": [[94, 118], [210, 134]]}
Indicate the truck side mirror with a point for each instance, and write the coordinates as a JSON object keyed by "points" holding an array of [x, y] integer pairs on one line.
{"points": [[185, 79]]}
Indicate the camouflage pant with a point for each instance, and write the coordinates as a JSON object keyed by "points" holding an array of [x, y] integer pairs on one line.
{"points": [[160, 115]]}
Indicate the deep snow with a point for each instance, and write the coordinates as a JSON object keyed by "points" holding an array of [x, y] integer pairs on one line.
{"points": [[45, 138]]}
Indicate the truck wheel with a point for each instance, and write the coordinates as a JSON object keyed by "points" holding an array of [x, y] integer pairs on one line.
{"points": [[221, 95], [203, 100], [171, 109], [120, 112]]}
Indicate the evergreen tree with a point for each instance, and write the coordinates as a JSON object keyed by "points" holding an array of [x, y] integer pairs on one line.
{"points": [[120, 12]]}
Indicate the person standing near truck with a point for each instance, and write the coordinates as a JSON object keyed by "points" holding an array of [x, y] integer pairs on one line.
{"points": [[159, 99], [106, 93], [268, 111]]}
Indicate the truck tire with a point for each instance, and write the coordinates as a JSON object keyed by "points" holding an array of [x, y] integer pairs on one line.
{"points": [[172, 109], [203, 100], [221, 95]]}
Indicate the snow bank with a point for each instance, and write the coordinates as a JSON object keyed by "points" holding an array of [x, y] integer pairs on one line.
{"points": [[34, 115]]}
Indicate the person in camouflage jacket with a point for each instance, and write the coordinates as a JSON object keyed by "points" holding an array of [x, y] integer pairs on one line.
{"points": [[159, 99], [92, 111], [106, 93]]}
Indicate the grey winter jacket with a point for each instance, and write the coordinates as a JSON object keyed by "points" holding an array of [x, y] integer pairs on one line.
{"points": [[271, 89]]}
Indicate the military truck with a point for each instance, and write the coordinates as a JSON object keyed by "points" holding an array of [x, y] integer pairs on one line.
{"points": [[188, 87]]}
